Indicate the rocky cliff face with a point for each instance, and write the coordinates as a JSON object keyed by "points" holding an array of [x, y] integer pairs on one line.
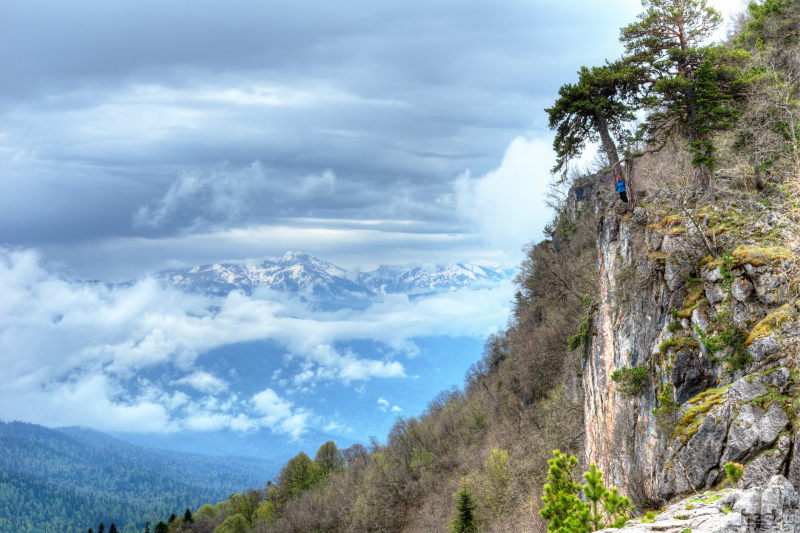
{"points": [[715, 335]]}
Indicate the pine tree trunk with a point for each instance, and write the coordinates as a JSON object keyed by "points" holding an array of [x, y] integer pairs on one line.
{"points": [[608, 144]]}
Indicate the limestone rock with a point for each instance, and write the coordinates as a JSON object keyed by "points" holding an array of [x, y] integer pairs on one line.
{"points": [[746, 390], [703, 451], [766, 465], [794, 466], [743, 434], [712, 275], [742, 288], [714, 293], [774, 508]]}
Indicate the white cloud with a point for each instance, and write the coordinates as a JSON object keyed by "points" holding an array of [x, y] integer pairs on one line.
{"points": [[396, 409], [383, 404], [203, 382], [85, 346], [506, 206]]}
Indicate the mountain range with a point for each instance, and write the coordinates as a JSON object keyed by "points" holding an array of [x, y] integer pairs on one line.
{"points": [[320, 281], [68, 479]]}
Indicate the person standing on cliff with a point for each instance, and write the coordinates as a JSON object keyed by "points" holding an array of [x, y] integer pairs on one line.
{"points": [[623, 195]]}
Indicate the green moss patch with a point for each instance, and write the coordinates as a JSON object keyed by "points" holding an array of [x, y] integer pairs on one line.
{"points": [[770, 323]]}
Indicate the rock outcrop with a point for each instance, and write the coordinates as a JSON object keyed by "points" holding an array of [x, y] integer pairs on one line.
{"points": [[716, 336], [773, 507]]}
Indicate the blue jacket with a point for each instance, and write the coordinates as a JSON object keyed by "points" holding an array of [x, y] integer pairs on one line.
{"points": [[621, 186]]}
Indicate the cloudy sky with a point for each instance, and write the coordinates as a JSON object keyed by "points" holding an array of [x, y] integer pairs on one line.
{"points": [[136, 136]]}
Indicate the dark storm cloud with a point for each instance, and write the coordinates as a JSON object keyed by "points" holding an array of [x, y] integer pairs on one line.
{"points": [[108, 108]]}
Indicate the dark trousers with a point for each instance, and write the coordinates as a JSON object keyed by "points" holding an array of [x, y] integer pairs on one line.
{"points": [[623, 195]]}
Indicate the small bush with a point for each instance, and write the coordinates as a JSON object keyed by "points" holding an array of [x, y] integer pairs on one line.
{"points": [[631, 382], [734, 472]]}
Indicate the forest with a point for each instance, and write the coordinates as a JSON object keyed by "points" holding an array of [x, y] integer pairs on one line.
{"points": [[56, 480]]}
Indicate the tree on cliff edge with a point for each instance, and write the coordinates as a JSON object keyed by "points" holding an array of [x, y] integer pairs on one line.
{"points": [[595, 108]]}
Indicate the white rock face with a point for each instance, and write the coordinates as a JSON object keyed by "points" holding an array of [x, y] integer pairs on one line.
{"points": [[774, 508]]}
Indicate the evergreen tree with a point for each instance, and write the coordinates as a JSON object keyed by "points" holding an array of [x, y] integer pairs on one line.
{"points": [[146, 527], [102, 528], [172, 518], [713, 114], [596, 108], [187, 517], [669, 42], [90, 530], [113, 528], [161, 527], [566, 512], [464, 519]]}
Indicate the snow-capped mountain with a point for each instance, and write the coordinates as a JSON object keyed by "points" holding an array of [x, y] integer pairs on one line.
{"points": [[303, 273]]}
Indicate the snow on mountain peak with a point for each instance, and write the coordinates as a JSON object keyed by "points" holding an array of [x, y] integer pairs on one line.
{"points": [[303, 273]]}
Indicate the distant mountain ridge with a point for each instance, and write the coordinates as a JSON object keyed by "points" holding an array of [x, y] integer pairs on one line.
{"points": [[70, 479], [303, 273]]}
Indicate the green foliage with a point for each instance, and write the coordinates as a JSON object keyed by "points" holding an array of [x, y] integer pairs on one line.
{"points": [[667, 414], [187, 517], [161, 527], [206, 511], [631, 382], [562, 507], [615, 507], [582, 339], [594, 109], [89, 478], [734, 472], [672, 327], [756, 34], [560, 225], [464, 517], [299, 475], [113, 528], [233, 524], [498, 475], [329, 458], [713, 114], [567, 513]]}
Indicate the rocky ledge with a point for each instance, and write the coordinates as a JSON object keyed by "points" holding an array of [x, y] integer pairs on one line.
{"points": [[775, 508]]}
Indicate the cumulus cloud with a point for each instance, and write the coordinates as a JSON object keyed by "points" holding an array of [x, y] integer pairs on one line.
{"points": [[203, 382], [76, 352], [506, 206], [384, 404]]}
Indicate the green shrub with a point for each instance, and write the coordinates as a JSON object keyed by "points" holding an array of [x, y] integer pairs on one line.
{"points": [[631, 382], [734, 472]]}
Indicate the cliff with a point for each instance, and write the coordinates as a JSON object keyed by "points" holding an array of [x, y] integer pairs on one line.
{"points": [[701, 304]]}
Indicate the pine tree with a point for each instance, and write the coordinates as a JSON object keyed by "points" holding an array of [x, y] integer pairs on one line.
{"points": [[594, 109], [161, 527], [90, 530], [464, 519], [712, 115], [102, 528], [187, 517], [594, 491], [113, 528], [172, 518], [566, 512], [146, 527]]}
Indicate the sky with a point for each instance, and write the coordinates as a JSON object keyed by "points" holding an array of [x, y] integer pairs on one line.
{"points": [[139, 136]]}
